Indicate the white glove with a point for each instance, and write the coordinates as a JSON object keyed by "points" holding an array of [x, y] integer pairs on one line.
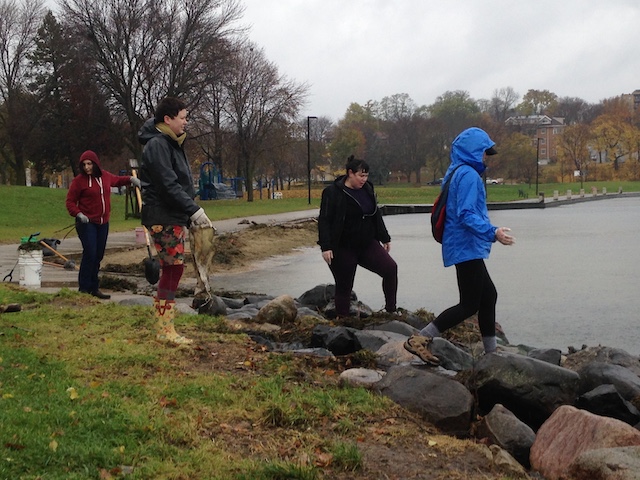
{"points": [[200, 219], [82, 217], [135, 182]]}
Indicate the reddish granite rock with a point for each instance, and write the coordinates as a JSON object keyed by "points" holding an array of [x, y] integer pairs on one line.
{"points": [[569, 432]]}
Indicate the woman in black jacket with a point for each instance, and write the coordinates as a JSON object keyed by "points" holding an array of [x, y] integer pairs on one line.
{"points": [[352, 232]]}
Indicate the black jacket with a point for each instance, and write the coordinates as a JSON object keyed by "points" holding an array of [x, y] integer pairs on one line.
{"points": [[167, 185], [341, 221]]}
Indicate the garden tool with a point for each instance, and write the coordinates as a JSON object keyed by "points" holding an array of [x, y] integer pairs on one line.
{"points": [[151, 264], [68, 264], [52, 264], [68, 229], [9, 277]]}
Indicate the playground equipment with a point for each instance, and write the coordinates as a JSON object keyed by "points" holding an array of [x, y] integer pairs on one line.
{"points": [[209, 176], [211, 185]]}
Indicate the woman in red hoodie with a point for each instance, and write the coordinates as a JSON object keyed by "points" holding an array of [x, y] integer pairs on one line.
{"points": [[89, 201]]}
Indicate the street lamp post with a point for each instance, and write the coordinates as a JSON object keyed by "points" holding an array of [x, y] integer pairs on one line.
{"points": [[309, 156], [537, 163]]}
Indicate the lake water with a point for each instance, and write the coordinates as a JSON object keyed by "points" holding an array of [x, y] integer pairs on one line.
{"points": [[570, 279]]}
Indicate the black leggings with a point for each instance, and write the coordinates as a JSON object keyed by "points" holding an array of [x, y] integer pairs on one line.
{"points": [[477, 294]]}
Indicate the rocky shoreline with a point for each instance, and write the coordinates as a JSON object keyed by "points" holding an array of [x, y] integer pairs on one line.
{"points": [[541, 412]]}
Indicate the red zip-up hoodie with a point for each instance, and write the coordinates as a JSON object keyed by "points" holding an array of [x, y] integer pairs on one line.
{"points": [[91, 194]]}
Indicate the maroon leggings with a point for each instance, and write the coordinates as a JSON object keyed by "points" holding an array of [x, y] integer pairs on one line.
{"points": [[374, 258], [169, 280]]}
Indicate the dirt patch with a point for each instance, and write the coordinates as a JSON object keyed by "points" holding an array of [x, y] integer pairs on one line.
{"points": [[235, 252]]}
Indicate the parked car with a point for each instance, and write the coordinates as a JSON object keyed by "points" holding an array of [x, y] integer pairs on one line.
{"points": [[495, 181], [435, 182]]}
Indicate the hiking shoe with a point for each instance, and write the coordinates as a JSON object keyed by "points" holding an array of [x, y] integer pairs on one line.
{"points": [[419, 346], [100, 295]]}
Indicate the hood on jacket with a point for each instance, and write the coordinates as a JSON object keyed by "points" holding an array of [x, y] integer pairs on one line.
{"points": [[152, 129], [90, 155], [468, 148], [148, 131]]}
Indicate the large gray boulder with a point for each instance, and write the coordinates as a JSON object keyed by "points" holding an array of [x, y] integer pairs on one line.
{"points": [[622, 463], [451, 357], [372, 340], [606, 401], [530, 388], [279, 311], [595, 374], [614, 356], [443, 402], [504, 429], [320, 296], [338, 340]]}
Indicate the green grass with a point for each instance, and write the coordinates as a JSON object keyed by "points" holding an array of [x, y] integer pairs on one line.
{"points": [[86, 393], [410, 194], [27, 210]]}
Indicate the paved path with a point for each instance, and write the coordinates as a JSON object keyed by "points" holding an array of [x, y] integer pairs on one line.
{"points": [[53, 278]]}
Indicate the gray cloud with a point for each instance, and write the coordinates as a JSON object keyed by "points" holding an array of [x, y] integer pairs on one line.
{"points": [[360, 50]]}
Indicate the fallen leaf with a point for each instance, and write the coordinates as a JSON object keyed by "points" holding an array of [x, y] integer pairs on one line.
{"points": [[168, 402], [73, 395], [324, 459], [14, 446], [53, 445], [105, 475]]}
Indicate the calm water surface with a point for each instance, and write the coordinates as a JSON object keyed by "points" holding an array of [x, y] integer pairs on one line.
{"points": [[570, 279]]}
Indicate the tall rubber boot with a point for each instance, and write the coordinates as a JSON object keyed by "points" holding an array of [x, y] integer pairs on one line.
{"points": [[165, 312]]}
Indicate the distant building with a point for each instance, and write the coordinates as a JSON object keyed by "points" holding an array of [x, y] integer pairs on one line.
{"points": [[635, 98], [543, 129]]}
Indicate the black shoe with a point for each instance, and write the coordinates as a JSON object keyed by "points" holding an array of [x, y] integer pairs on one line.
{"points": [[100, 295]]}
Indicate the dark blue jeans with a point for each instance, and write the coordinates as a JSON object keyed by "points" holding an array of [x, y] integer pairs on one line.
{"points": [[374, 258], [94, 242]]}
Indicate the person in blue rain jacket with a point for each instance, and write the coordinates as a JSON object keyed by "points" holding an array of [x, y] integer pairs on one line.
{"points": [[466, 243]]}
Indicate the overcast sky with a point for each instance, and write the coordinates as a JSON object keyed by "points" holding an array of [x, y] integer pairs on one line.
{"points": [[359, 50]]}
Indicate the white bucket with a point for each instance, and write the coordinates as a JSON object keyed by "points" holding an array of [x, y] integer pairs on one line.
{"points": [[140, 238], [30, 267]]}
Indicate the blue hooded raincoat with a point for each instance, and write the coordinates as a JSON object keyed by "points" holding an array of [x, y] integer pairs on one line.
{"points": [[468, 233]]}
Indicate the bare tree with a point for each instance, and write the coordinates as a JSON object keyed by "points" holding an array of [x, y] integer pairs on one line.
{"points": [[73, 113], [502, 104], [18, 29], [260, 100], [148, 49]]}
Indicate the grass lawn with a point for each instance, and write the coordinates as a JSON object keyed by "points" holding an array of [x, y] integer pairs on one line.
{"points": [[87, 393]]}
